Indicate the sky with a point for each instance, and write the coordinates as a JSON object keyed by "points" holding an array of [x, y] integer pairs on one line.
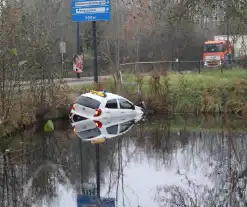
{"points": [[141, 180]]}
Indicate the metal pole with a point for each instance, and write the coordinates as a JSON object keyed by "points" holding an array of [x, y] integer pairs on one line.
{"points": [[117, 36], [95, 61], [78, 42], [81, 163], [228, 33], [179, 59], [97, 171], [199, 66], [62, 65]]}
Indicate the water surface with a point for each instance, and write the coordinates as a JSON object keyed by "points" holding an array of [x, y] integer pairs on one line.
{"points": [[158, 162]]}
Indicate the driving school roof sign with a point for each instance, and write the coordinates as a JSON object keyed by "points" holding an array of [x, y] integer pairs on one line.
{"points": [[90, 10]]}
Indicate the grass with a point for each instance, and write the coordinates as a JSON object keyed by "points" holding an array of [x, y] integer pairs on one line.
{"points": [[208, 92]]}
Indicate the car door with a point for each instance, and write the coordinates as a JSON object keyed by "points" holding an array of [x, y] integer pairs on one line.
{"points": [[126, 108], [111, 108]]}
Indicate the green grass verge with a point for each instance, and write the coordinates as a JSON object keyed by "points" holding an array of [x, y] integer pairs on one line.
{"points": [[210, 91]]}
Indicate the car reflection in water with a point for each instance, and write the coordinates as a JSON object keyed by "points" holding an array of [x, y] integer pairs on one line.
{"points": [[105, 128], [96, 132]]}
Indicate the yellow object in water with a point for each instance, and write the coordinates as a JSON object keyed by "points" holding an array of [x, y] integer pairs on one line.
{"points": [[49, 126], [98, 141]]}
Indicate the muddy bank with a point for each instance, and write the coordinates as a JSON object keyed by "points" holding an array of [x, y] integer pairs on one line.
{"points": [[43, 115]]}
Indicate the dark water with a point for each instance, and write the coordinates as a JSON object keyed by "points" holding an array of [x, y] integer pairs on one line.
{"points": [[158, 162]]}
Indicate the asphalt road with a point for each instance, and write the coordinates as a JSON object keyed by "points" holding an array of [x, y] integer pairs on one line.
{"points": [[82, 80], [75, 81], [79, 81], [69, 81]]}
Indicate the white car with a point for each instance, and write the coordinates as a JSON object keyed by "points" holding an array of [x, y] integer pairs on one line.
{"points": [[101, 104], [95, 130]]}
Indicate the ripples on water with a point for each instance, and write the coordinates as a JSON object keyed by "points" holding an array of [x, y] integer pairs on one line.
{"points": [[159, 162]]}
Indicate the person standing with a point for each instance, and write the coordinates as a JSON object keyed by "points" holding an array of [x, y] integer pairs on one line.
{"points": [[78, 65]]}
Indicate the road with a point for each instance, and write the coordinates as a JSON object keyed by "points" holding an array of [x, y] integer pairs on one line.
{"points": [[79, 81], [82, 80], [73, 81]]}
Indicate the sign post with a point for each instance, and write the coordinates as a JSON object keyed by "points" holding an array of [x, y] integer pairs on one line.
{"points": [[90, 201], [78, 42], [95, 54], [97, 167], [91, 11], [62, 47]]}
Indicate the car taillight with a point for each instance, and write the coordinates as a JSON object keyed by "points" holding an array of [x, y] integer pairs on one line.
{"points": [[98, 112], [98, 124], [73, 107]]}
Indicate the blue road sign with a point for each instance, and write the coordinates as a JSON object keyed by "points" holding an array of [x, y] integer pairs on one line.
{"points": [[86, 201], [91, 10]]}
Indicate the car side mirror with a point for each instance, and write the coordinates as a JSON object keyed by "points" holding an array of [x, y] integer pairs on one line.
{"points": [[133, 107]]}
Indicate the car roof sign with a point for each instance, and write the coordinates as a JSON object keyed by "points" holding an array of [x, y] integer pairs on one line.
{"points": [[99, 93]]}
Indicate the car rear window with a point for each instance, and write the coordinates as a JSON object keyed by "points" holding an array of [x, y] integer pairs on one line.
{"points": [[88, 102], [112, 129], [89, 134]]}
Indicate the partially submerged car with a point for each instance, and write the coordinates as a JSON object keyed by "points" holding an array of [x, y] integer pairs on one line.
{"points": [[101, 104], [95, 130]]}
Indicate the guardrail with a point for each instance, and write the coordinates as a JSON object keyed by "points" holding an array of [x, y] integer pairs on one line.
{"points": [[177, 65], [167, 65]]}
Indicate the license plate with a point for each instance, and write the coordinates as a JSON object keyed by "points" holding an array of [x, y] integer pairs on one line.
{"points": [[213, 62]]}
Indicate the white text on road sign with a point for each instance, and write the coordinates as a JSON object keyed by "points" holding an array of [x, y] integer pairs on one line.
{"points": [[90, 10], [91, 3]]}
